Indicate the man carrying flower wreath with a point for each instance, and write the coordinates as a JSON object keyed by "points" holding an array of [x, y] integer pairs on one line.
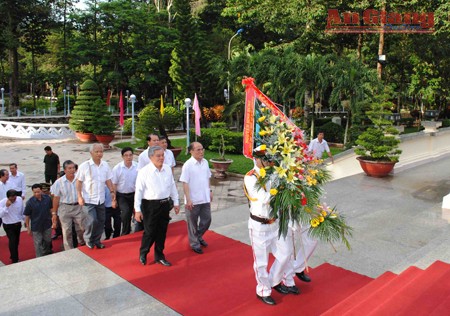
{"points": [[263, 232]]}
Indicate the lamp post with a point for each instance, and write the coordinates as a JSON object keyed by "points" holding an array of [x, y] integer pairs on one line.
{"points": [[64, 97], [229, 58], [3, 101], [128, 99], [132, 99], [68, 101], [187, 102]]}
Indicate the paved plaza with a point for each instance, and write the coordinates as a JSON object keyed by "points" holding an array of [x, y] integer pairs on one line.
{"points": [[397, 221]]}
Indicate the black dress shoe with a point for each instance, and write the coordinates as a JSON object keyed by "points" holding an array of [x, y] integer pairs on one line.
{"points": [[293, 290], [164, 262], [143, 260], [203, 243], [90, 245], [266, 299], [99, 245], [281, 288], [197, 250], [303, 277]]}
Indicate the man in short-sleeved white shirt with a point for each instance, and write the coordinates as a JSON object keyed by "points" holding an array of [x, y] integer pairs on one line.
{"points": [[16, 180], [91, 178], [318, 146], [124, 180], [143, 160], [195, 176]]}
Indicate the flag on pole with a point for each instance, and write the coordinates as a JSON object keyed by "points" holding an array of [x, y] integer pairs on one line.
{"points": [[121, 108], [198, 115], [161, 109]]}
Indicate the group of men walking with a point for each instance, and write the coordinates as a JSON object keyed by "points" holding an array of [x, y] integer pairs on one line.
{"points": [[84, 199]]}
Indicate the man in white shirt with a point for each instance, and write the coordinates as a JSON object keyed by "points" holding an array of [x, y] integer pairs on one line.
{"points": [[195, 176], [169, 158], [124, 181], [156, 194], [91, 178], [17, 180], [66, 205], [11, 212], [318, 146], [143, 160], [4, 176]]}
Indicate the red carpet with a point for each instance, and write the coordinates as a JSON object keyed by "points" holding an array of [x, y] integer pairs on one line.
{"points": [[221, 281], [26, 248]]}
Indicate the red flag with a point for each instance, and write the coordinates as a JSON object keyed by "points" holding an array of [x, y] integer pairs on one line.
{"points": [[108, 98], [198, 115], [121, 109]]}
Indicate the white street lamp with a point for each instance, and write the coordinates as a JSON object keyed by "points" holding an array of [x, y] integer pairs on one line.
{"points": [[132, 99], [229, 58], [68, 101], [3, 101], [187, 102]]}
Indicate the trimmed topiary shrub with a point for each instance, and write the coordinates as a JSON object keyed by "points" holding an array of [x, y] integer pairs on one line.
{"points": [[148, 120], [84, 112], [103, 122]]}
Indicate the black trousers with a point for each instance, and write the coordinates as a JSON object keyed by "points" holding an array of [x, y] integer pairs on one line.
{"points": [[114, 214], [13, 233], [156, 219], [126, 205], [50, 178]]}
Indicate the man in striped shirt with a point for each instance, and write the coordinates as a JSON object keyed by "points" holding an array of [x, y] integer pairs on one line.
{"points": [[66, 206]]}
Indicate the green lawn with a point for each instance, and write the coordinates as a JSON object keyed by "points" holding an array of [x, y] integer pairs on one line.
{"points": [[240, 165]]}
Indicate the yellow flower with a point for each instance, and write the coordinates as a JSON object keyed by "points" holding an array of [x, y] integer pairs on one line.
{"points": [[324, 213], [321, 219], [273, 119], [262, 118], [272, 150], [262, 133], [273, 191], [315, 222], [287, 149], [262, 147], [280, 171], [262, 172], [290, 177], [313, 172], [310, 181]]}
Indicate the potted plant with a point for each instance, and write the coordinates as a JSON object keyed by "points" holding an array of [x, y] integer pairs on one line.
{"points": [[221, 144], [378, 144], [104, 124], [83, 113]]}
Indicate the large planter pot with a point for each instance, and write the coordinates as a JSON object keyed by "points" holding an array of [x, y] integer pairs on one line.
{"points": [[105, 140], [220, 167], [85, 137], [375, 168], [176, 151]]}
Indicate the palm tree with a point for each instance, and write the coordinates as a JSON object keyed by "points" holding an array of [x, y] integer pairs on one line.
{"points": [[354, 82]]}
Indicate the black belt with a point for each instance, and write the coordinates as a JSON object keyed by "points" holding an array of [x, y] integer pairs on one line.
{"points": [[119, 193], [162, 201], [76, 203], [262, 220]]}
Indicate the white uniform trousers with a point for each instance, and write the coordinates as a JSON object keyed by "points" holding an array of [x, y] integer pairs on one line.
{"points": [[303, 247], [264, 240]]}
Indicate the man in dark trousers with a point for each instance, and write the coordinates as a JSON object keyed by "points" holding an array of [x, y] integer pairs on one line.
{"points": [[52, 166], [38, 220], [11, 211], [156, 194]]}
